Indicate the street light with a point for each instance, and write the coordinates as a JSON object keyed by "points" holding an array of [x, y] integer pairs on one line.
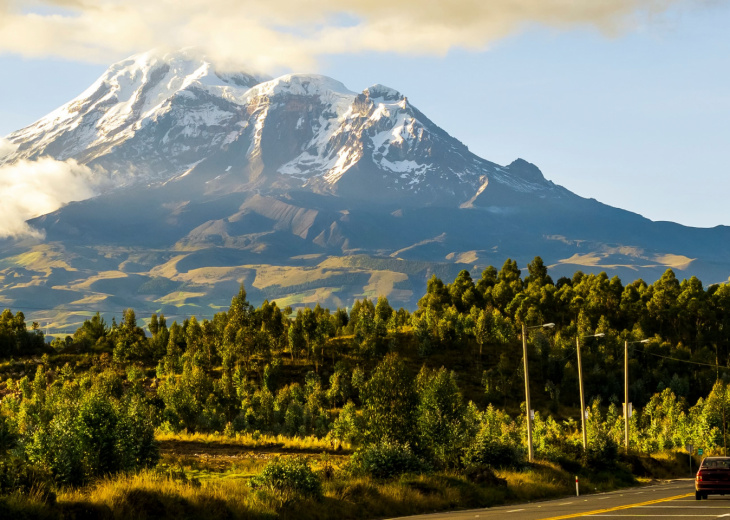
{"points": [[580, 384], [530, 451], [626, 389]]}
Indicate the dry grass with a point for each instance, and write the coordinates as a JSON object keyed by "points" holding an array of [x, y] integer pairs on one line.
{"points": [[184, 487], [308, 444], [151, 494], [542, 480]]}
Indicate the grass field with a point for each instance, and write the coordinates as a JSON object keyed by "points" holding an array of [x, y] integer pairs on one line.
{"points": [[207, 477]]}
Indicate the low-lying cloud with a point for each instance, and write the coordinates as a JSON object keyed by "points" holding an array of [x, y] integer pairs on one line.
{"points": [[294, 33], [6, 148], [29, 189]]}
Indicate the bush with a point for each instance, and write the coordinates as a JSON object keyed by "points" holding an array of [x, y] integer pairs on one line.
{"points": [[490, 452], [289, 477], [77, 440], [485, 476], [386, 460], [8, 438], [602, 453], [348, 425], [16, 476]]}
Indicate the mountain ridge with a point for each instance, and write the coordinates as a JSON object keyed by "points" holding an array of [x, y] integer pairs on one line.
{"points": [[150, 119]]}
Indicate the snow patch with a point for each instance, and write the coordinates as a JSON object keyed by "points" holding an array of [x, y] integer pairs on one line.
{"points": [[383, 93], [404, 166]]}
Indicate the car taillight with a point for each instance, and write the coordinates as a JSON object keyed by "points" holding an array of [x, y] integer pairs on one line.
{"points": [[698, 478]]}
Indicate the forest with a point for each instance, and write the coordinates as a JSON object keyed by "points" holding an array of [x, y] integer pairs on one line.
{"points": [[380, 393]]}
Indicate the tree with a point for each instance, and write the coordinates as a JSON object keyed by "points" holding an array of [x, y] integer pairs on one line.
{"points": [[340, 385], [462, 292], [390, 402], [662, 306], [437, 296], [297, 341], [130, 340], [509, 284], [93, 333], [15, 338], [482, 329], [485, 284], [538, 273], [440, 416]]}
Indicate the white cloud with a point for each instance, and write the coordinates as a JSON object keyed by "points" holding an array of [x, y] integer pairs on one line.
{"points": [[29, 189], [6, 148], [293, 33]]}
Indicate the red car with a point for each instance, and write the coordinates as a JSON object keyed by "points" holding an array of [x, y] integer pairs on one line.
{"points": [[713, 477]]}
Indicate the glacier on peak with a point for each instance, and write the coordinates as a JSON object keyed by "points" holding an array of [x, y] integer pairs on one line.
{"points": [[381, 92], [159, 116], [299, 84]]}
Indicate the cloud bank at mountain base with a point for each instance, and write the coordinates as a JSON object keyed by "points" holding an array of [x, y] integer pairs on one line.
{"points": [[29, 189]]}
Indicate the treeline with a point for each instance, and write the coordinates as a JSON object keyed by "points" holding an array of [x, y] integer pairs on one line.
{"points": [[16, 339], [353, 376], [686, 325]]}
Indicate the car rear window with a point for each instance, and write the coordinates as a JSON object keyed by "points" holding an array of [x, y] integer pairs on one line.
{"points": [[716, 464]]}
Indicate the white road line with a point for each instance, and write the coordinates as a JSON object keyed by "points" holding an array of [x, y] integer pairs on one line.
{"points": [[515, 510], [681, 507], [693, 501], [566, 503]]}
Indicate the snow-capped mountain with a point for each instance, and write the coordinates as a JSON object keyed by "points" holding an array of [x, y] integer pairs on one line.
{"points": [[146, 118], [302, 190], [153, 118]]}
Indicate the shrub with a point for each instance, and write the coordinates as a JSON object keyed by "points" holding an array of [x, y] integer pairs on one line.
{"points": [[8, 438], [290, 477], [348, 425], [485, 476], [77, 438], [16, 476], [386, 460], [489, 451], [602, 453]]}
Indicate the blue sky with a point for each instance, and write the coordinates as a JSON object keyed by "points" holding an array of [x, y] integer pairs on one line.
{"points": [[637, 118]]}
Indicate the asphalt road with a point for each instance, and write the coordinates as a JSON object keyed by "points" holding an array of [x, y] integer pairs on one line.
{"points": [[675, 499]]}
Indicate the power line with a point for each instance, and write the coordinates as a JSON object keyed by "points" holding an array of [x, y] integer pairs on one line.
{"points": [[716, 366]]}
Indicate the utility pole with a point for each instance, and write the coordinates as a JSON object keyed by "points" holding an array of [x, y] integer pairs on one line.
{"points": [[582, 399], [724, 434], [627, 410], [626, 395], [580, 384], [530, 449]]}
